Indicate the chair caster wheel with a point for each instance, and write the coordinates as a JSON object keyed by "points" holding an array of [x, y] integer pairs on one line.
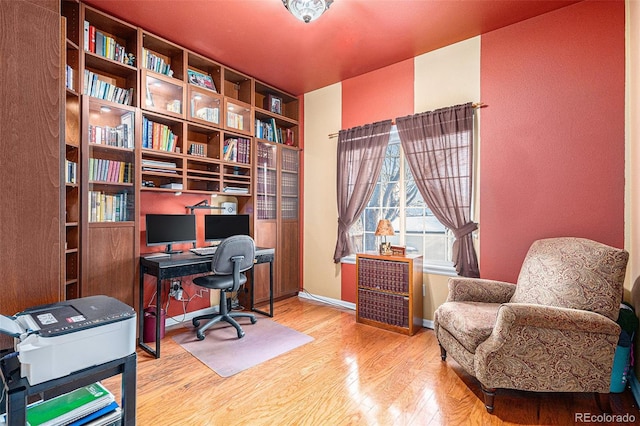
{"points": [[254, 320], [240, 334], [200, 335], [195, 322]]}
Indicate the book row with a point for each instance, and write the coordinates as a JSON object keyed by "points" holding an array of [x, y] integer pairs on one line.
{"points": [[267, 183], [155, 63], [158, 136], [120, 136], [290, 160], [91, 405], [103, 44], [104, 207], [110, 170], [268, 130], [235, 120], [237, 150], [95, 85], [70, 172]]}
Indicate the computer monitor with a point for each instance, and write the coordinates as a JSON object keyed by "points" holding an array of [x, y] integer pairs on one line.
{"points": [[168, 229], [217, 227]]}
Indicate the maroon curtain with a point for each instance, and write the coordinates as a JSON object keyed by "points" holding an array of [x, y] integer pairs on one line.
{"points": [[438, 146], [361, 151]]}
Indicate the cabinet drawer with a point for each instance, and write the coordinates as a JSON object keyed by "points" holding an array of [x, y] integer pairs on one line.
{"points": [[387, 308], [387, 275]]}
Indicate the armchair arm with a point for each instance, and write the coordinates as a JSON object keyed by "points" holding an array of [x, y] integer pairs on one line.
{"points": [[546, 348], [479, 290]]}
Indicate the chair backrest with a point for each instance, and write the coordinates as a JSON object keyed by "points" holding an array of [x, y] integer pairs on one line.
{"points": [[573, 273], [237, 245]]}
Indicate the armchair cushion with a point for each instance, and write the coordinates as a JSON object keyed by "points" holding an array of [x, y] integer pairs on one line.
{"points": [[573, 273], [472, 328]]}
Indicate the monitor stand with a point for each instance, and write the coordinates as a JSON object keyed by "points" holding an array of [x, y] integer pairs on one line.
{"points": [[170, 250]]}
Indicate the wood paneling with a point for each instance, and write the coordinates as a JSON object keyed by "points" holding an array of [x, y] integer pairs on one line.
{"points": [[289, 274], [350, 374], [112, 268], [30, 164]]}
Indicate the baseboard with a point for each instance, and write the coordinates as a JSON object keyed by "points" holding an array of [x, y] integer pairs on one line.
{"points": [[635, 386], [306, 295], [182, 318]]}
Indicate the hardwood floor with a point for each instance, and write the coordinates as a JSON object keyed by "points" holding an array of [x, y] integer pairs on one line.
{"points": [[351, 374]]}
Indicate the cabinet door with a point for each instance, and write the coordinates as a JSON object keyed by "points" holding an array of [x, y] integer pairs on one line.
{"points": [[112, 265]]}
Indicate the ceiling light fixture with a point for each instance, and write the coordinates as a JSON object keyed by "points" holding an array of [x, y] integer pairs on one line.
{"points": [[307, 10]]}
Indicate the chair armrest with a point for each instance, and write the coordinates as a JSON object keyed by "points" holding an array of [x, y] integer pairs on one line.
{"points": [[479, 290], [551, 317], [548, 349]]}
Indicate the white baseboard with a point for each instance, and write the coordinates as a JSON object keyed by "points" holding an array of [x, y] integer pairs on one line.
{"points": [[306, 295], [635, 386], [328, 300]]}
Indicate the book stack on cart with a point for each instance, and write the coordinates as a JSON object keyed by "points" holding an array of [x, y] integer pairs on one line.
{"points": [[92, 405]]}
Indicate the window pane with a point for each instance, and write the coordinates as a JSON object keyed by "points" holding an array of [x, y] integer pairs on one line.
{"points": [[435, 247]]}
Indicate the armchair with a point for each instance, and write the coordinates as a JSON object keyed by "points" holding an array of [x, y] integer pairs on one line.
{"points": [[555, 331]]}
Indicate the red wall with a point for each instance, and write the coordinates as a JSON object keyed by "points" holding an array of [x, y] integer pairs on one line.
{"points": [[552, 137], [383, 94], [170, 204]]}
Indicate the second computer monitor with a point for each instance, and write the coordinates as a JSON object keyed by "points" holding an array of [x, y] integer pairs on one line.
{"points": [[217, 227]]}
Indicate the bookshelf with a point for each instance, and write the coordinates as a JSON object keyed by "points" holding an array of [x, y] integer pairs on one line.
{"points": [[109, 103], [277, 214], [389, 292], [190, 126], [70, 61]]}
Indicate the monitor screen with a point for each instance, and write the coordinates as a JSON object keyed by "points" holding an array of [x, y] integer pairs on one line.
{"points": [[217, 227], [167, 229]]}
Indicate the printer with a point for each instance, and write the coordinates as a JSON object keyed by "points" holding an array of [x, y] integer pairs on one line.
{"points": [[58, 339]]}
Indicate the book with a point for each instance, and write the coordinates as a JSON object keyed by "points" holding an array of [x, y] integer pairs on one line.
{"points": [[70, 406], [202, 80]]}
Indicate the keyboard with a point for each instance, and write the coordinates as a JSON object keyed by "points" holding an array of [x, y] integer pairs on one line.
{"points": [[204, 251]]}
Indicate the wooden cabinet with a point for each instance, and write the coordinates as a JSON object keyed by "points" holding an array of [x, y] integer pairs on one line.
{"points": [[277, 215], [389, 292], [108, 226]]}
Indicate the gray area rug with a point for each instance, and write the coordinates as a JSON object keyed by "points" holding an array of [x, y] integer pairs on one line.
{"points": [[224, 353]]}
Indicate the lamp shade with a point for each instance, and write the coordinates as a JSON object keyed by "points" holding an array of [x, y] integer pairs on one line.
{"points": [[384, 228], [307, 10]]}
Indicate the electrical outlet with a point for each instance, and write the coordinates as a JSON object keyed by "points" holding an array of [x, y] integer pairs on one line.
{"points": [[175, 288]]}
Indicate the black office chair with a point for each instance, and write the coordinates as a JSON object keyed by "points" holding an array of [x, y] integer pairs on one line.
{"points": [[233, 256]]}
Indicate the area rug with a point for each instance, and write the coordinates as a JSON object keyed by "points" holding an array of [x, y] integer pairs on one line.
{"points": [[224, 353]]}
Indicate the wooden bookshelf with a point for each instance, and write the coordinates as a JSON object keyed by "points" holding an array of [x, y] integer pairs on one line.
{"points": [[195, 107]]}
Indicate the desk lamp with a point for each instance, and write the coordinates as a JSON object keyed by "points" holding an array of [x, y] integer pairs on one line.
{"points": [[384, 229]]}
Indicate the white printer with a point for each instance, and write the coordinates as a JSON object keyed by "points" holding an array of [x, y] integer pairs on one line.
{"points": [[57, 339]]}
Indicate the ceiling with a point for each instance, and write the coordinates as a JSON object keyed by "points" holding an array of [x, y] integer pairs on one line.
{"points": [[260, 38]]}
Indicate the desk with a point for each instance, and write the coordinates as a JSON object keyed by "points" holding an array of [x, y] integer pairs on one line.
{"points": [[17, 388], [182, 265]]}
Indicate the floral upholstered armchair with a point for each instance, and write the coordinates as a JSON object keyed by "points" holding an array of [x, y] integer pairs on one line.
{"points": [[555, 331]]}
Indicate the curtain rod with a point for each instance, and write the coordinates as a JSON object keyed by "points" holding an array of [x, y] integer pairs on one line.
{"points": [[476, 105]]}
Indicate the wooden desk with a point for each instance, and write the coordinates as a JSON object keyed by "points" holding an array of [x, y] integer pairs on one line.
{"points": [[182, 265], [17, 388]]}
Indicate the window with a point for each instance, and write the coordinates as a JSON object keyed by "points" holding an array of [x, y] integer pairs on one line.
{"points": [[397, 198]]}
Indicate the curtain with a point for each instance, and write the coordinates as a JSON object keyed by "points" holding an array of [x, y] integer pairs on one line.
{"points": [[438, 146], [361, 151]]}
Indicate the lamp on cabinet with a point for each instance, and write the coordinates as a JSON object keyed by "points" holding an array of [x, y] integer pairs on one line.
{"points": [[384, 230], [307, 10]]}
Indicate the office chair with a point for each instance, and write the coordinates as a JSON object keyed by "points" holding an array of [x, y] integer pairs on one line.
{"points": [[233, 256]]}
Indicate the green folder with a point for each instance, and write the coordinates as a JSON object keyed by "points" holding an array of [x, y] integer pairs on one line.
{"points": [[70, 406]]}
